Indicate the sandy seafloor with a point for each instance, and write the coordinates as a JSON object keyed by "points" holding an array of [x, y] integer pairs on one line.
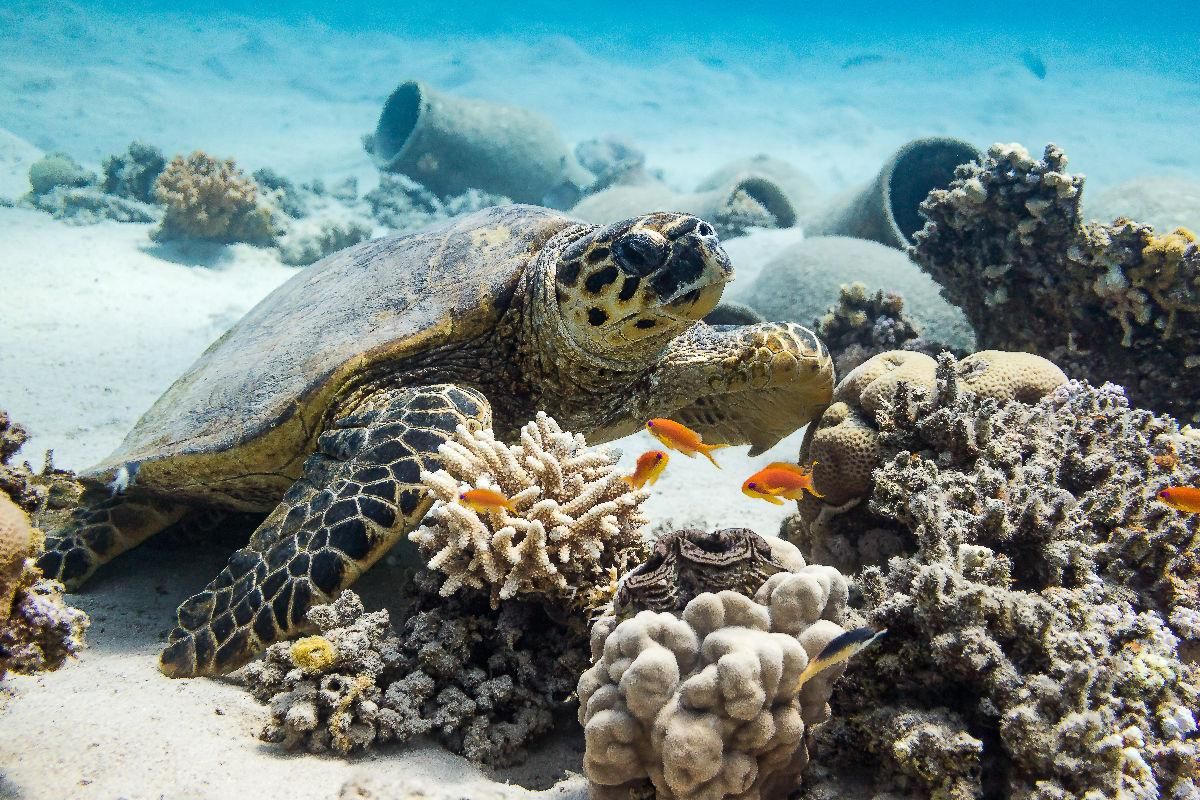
{"points": [[96, 321]]}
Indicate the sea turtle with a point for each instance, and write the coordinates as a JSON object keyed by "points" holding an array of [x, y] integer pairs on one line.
{"points": [[323, 404]]}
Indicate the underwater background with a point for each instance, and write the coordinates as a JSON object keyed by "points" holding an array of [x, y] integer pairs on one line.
{"points": [[98, 317]]}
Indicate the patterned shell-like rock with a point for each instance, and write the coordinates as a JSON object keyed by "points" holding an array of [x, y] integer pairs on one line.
{"points": [[273, 374]]}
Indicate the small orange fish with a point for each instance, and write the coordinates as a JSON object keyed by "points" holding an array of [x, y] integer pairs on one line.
{"points": [[650, 465], [682, 438], [781, 479], [1181, 498], [485, 501]]}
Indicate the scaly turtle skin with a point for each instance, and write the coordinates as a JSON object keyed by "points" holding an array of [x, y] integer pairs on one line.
{"points": [[325, 402]]}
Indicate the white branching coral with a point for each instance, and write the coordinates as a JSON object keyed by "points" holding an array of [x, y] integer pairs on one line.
{"points": [[573, 520]]}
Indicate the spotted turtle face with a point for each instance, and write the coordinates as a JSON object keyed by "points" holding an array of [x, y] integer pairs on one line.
{"points": [[644, 278]]}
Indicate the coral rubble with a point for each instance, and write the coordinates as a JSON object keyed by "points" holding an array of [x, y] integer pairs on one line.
{"points": [[575, 522], [1117, 301], [705, 698], [484, 683], [1042, 603], [211, 200]]}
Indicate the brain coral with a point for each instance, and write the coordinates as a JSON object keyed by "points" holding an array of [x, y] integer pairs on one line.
{"points": [[1043, 605], [576, 519], [211, 200], [1115, 302], [706, 701]]}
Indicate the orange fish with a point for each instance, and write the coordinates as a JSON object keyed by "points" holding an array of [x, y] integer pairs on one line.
{"points": [[485, 501], [650, 465], [1181, 498], [780, 479], [682, 438]]}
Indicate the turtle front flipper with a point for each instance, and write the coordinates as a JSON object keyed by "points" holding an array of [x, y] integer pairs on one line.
{"points": [[103, 527], [751, 384], [360, 492]]}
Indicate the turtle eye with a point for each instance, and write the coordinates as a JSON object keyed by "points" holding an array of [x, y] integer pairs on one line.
{"points": [[640, 253]]}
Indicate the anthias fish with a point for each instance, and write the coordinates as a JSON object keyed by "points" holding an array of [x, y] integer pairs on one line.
{"points": [[485, 500], [682, 438], [842, 648], [650, 465], [1181, 498], [780, 479]]}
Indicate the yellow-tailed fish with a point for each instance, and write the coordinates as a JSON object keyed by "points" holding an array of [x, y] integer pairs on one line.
{"points": [[840, 649]]}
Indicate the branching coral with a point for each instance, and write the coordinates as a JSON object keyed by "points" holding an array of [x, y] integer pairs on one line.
{"points": [[1105, 301], [1040, 600], [210, 199], [574, 520], [706, 700], [484, 683]]}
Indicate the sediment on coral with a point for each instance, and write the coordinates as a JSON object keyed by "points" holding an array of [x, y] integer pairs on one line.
{"points": [[1107, 302], [705, 698], [485, 683], [1003, 525], [210, 199], [576, 523]]}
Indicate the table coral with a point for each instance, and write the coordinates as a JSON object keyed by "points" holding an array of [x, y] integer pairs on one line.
{"points": [[1115, 301], [1040, 600], [575, 519], [212, 200], [483, 682], [705, 700]]}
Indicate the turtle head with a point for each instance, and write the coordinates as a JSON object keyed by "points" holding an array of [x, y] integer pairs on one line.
{"points": [[640, 282]]}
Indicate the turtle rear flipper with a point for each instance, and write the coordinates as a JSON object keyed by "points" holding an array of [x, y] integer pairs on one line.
{"points": [[104, 526], [360, 492]]}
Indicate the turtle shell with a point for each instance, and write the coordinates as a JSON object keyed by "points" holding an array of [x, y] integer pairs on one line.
{"points": [[239, 423]]}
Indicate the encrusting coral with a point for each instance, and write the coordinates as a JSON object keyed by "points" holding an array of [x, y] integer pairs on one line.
{"points": [[1043, 606], [483, 682], [706, 700], [1115, 301], [211, 200], [575, 519]]}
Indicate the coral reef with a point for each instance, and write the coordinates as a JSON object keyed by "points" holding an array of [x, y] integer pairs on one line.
{"points": [[309, 240], [803, 281], [404, 206], [863, 325], [706, 700], [132, 174], [38, 631], [613, 160], [43, 493], [1042, 603], [1112, 302], [88, 205], [281, 193], [575, 522], [211, 200], [484, 683]]}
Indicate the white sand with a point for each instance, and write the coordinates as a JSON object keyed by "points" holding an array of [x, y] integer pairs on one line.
{"points": [[96, 321]]}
